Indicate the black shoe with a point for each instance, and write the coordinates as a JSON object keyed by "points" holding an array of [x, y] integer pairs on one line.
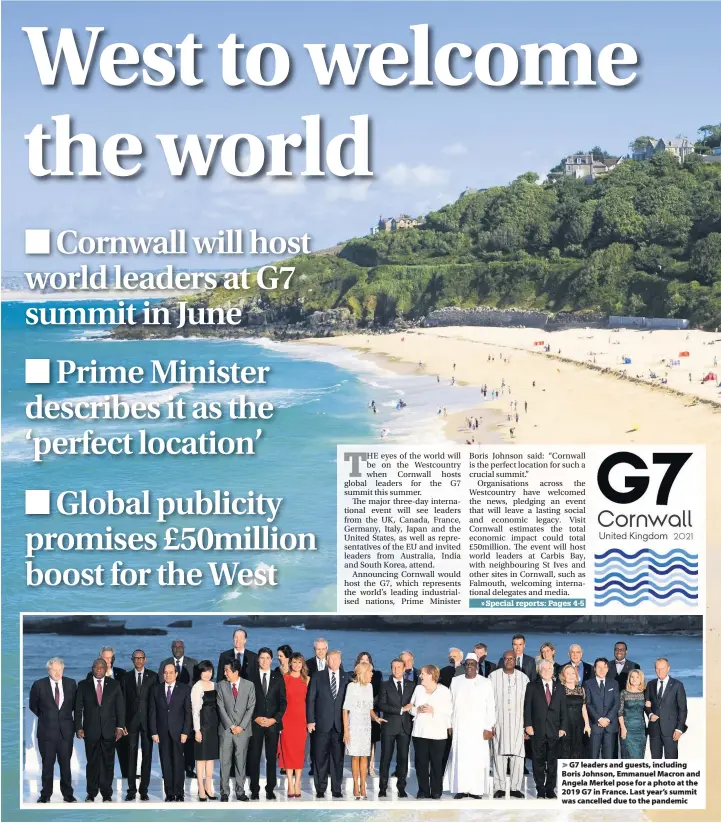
{"points": [[180, 798], [435, 797], [270, 795], [202, 799], [108, 799], [144, 796], [223, 798], [190, 773], [243, 797], [476, 796], [540, 795], [402, 793], [255, 795], [169, 798], [131, 795], [89, 799], [516, 793], [70, 798], [381, 793], [320, 795], [421, 796], [337, 794], [499, 793], [551, 795], [43, 799], [459, 796]]}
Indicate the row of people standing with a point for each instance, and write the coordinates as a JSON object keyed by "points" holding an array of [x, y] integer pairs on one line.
{"points": [[253, 710]]}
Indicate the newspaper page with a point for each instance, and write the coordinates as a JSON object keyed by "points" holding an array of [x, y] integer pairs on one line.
{"points": [[360, 410]]}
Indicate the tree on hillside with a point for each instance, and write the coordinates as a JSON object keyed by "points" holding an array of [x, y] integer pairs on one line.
{"points": [[706, 259]]}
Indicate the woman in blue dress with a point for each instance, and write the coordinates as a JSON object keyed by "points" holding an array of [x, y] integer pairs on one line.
{"points": [[631, 717]]}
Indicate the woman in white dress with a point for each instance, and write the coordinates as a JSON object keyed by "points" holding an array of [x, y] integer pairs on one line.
{"points": [[431, 708], [358, 714]]}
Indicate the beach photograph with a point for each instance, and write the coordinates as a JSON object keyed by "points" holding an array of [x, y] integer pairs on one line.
{"points": [[525, 266]]}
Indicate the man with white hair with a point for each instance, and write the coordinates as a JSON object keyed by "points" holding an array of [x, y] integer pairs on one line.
{"points": [[453, 669], [474, 711], [584, 670], [52, 701]]}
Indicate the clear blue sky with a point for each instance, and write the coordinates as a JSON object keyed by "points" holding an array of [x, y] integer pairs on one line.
{"points": [[428, 145]]}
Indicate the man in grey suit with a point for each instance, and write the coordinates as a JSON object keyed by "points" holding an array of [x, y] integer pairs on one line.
{"points": [[236, 702]]}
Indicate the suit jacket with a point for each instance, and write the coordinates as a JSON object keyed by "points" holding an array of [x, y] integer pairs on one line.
{"points": [[274, 703], [53, 723], [173, 719], [250, 664], [188, 674], [588, 672], [602, 704], [390, 704], [118, 674], [99, 721], [528, 667], [547, 719], [137, 701], [236, 712], [413, 677], [448, 673], [321, 709], [486, 667], [622, 677], [672, 710]]}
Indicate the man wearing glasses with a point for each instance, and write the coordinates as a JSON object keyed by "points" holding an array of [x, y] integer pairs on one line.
{"points": [[137, 686]]}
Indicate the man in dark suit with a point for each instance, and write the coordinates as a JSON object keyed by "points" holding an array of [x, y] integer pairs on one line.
{"points": [[115, 673], [186, 669], [270, 705], [584, 670], [52, 701], [394, 702], [667, 712], [318, 661], [524, 662], [453, 669], [410, 673], [603, 702], [169, 722], [99, 721], [324, 713], [621, 666], [545, 720], [485, 666], [137, 687], [247, 660]]}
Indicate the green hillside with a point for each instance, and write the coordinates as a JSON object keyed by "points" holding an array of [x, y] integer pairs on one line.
{"points": [[646, 239]]}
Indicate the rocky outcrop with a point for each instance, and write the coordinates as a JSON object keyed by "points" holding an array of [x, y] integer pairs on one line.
{"points": [[84, 625], [486, 316]]}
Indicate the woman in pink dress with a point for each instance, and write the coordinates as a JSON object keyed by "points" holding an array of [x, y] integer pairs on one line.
{"points": [[291, 746]]}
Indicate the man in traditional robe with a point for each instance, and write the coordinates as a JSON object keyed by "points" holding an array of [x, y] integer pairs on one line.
{"points": [[474, 711], [509, 691]]}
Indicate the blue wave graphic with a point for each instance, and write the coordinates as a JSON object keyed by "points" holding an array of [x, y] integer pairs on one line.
{"points": [[659, 556], [645, 575], [651, 571]]}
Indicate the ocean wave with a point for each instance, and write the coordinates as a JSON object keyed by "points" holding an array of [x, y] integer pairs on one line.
{"points": [[280, 398], [659, 556], [157, 396], [647, 573], [645, 584]]}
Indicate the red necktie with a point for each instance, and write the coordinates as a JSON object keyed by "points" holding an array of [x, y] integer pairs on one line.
{"points": [[548, 695], [57, 696], [235, 692], [99, 692]]}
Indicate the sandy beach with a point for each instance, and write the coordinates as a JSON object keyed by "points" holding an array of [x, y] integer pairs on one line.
{"points": [[580, 392]]}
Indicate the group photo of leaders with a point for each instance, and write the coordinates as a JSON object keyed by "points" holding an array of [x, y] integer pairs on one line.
{"points": [[277, 722]]}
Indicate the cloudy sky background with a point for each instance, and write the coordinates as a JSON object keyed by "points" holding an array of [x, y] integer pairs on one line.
{"points": [[428, 145]]}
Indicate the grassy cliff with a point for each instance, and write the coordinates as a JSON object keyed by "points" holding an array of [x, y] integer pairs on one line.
{"points": [[644, 240]]}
